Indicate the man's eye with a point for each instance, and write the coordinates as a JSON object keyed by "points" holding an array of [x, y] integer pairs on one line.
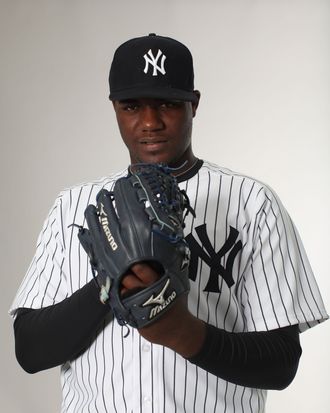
{"points": [[130, 107], [171, 104]]}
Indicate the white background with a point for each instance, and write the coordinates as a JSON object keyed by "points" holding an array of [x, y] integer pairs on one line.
{"points": [[263, 69]]}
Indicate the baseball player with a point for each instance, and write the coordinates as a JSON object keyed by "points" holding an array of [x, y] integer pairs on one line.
{"points": [[252, 291]]}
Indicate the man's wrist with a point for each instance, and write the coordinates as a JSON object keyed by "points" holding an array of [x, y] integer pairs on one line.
{"points": [[190, 337], [178, 330]]}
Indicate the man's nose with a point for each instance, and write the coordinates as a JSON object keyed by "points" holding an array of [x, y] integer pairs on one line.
{"points": [[151, 119]]}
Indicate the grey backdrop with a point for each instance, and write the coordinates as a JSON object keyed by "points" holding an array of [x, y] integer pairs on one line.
{"points": [[263, 69]]}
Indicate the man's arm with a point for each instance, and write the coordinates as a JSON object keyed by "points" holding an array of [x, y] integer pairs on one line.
{"points": [[264, 360], [50, 336], [267, 360]]}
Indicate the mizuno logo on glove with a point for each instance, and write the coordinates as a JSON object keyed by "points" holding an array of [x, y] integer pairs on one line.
{"points": [[105, 225], [160, 301]]}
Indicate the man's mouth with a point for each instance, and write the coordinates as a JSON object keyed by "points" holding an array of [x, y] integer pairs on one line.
{"points": [[153, 144], [152, 141]]}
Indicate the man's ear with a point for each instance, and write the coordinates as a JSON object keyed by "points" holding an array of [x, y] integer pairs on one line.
{"points": [[194, 105]]}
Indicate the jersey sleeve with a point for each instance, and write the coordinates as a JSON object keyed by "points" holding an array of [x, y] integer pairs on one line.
{"points": [[45, 281], [279, 287]]}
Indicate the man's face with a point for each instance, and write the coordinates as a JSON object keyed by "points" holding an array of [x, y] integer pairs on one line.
{"points": [[156, 130]]}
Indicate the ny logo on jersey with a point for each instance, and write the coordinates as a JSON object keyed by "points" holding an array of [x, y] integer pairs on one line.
{"points": [[153, 61], [213, 259]]}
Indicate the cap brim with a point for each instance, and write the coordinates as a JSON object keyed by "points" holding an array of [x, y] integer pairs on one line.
{"points": [[157, 93]]}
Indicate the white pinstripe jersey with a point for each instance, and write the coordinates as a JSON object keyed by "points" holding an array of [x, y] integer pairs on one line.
{"points": [[264, 282]]}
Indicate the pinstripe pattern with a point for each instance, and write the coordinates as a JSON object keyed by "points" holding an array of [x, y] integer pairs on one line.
{"points": [[273, 287]]}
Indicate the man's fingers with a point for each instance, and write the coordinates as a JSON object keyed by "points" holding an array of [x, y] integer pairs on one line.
{"points": [[141, 275], [145, 273], [131, 281]]}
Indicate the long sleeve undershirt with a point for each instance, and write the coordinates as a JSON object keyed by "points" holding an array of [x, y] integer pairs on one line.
{"points": [[51, 336]]}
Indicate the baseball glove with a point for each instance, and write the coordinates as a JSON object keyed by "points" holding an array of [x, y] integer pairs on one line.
{"points": [[141, 220]]}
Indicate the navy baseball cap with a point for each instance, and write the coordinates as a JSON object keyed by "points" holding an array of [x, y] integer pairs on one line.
{"points": [[152, 67]]}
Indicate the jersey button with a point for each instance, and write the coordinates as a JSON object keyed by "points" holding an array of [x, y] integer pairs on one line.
{"points": [[147, 399], [146, 347]]}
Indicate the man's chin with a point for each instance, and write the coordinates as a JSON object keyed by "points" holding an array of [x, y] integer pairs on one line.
{"points": [[154, 159]]}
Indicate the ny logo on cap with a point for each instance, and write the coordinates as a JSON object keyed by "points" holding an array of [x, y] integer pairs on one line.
{"points": [[152, 60]]}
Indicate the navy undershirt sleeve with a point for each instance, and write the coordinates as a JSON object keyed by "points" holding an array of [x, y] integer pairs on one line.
{"points": [[264, 360], [51, 336]]}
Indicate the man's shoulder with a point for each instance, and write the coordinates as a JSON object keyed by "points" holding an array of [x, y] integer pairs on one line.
{"points": [[106, 182], [74, 199], [226, 173], [234, 181]]}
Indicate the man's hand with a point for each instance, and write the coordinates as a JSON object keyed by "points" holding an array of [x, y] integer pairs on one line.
{"points": [[177, 329]]}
